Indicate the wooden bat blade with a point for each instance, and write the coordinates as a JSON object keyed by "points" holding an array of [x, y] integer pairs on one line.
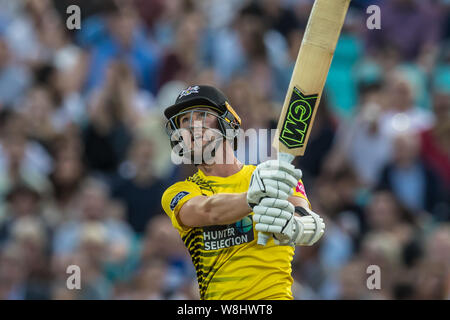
{"points": [[309, 75]]}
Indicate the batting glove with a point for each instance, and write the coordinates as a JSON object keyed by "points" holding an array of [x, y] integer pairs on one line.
{"points": [[272, 179], [278, 218]]}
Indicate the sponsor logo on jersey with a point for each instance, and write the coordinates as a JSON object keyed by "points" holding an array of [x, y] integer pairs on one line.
{"points": [[177, 198], [221, 237], [300, 188]]}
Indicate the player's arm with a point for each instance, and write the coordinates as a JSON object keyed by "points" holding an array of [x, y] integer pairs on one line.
{"points": [[226, 208], [218, 209], [298, 202]]}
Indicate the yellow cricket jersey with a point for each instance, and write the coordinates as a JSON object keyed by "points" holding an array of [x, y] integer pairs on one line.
{"points": [[229, 263]]}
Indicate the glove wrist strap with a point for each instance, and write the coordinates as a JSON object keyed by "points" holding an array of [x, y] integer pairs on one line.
{"points": [[302, 211], [317, 233], [297, 236]]}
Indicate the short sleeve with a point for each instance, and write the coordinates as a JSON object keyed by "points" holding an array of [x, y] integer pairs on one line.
{"points": [[174, 198], [299, 191]]}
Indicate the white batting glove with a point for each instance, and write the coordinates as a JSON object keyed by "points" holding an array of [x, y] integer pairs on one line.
{"points": [[278, 218], [311, 228], [271, 215], [272, 179]]}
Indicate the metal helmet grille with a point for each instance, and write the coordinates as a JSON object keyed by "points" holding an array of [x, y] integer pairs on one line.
{"points": [[187, 138]]}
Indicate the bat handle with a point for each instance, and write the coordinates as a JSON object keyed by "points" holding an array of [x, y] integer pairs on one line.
{"points": [[286, 157], [263, 237]]}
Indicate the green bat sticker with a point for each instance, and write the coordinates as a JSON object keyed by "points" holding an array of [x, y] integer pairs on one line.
{"points": [[298, 118]]}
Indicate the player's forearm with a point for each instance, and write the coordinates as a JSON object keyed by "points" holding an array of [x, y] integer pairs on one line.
{"points": [[226, 208], [298, 201]]}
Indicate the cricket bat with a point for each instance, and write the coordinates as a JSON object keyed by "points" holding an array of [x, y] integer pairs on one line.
{"points": [[308, 80]]}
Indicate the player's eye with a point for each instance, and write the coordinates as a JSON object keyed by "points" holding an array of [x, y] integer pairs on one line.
{"points": [[184, 120], [199, 115]]}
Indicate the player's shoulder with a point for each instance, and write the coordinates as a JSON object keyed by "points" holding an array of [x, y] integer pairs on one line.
{"points": [[176, 192], [244, 174], [249, 168], [185, 185]]}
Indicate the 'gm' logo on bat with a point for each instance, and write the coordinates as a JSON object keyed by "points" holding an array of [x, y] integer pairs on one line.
{"points": [[298, 117]]}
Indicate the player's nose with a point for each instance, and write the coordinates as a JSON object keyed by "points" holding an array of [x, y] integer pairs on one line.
{"points": [[199, 115]]}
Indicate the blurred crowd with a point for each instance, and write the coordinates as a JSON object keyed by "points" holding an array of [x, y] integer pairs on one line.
{"points": [[84, 159]]}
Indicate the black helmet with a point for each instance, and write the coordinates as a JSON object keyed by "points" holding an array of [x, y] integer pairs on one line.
{"points": [[209, 97]]}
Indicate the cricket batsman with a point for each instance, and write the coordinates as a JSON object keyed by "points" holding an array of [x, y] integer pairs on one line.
{"points": [[219, 211]]}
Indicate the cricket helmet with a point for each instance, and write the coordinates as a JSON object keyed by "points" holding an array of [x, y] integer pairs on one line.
{"points": [[207, 97]]}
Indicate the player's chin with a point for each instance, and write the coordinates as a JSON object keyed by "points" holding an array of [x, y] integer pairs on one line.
{"points": [[204, 154]]}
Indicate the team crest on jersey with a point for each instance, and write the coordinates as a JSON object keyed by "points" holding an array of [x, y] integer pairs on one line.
{"points": [[188, 91], [177, 198], [221, 237]]}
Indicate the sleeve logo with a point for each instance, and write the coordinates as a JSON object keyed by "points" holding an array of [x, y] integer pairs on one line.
{"points": [[177, 198], [300, 188]]}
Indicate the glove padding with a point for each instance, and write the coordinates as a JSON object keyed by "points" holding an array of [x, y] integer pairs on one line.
{"points": [[271, 215], [311, 229], [272, 179], [277, 217]]}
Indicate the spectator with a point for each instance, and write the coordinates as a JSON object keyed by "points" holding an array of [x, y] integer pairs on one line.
{"points": [[39, 110], [384, 212], [33, 239], [14, 77], [161, 242], [409, 179], [26, 34], [382, 249], [111, 116], [13, 273], [94, 207], [435, 142], [23, 203], [124, 39], [181, 58], [136, 185], [401, 112], [148, 283], [352, 282], [278, 17], [437, 245], [66, 178], [89, 257], [418, 31], [362, 142]]}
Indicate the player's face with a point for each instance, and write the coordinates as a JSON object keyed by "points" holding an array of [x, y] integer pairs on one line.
{"points": [[199, 124]]}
